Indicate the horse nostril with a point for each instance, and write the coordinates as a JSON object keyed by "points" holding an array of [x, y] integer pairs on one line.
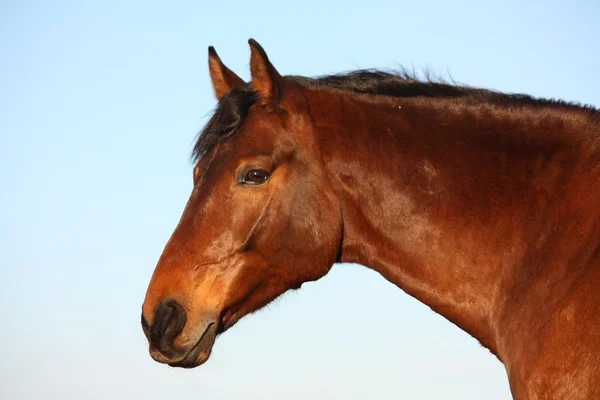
{"points": [[168, 322]]}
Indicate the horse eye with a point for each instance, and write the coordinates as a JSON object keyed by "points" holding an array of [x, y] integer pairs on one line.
{"points": [[255, 176]]}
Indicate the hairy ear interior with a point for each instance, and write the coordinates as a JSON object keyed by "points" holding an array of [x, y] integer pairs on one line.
{"points": [[223, 79], [266, 80]]}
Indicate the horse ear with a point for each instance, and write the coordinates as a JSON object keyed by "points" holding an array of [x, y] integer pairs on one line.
{"points": [[266, 80], [223, 79]]}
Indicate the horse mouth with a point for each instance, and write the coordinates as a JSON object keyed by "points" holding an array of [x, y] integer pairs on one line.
{"points": [[200, 352]]}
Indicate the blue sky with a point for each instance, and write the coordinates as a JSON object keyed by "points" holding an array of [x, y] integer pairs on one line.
{"points": [[99, 105]]}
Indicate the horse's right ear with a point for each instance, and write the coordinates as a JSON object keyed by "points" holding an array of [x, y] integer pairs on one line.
{"points": [[223, 79], [265, 79]]}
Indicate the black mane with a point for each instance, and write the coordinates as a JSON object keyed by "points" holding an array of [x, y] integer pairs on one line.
{"points": [[395, 84], [233, 107]]}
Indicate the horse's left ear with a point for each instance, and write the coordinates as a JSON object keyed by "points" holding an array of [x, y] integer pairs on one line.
{"points": [[266, 80], [223, 79]]}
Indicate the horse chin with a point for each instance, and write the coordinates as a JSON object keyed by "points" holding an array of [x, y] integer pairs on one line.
{"points": [[201, 351], [191, 362]]}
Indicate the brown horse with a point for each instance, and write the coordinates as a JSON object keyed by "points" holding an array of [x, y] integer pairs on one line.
{"points": [[484, 206]]}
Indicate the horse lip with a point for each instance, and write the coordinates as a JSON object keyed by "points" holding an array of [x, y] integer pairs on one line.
{"points": [[190, 360]]}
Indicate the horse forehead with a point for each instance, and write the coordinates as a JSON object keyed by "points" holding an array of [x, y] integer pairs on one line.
{"points": [[261, 131]]}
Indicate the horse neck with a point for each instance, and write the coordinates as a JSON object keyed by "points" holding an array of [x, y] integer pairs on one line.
{"points": [[439, 196]]}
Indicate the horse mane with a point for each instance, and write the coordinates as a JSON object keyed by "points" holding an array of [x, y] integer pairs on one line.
{"points": [[233, 108]]}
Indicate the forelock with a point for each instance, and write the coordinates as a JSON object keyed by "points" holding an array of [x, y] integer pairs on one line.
{"points": [[227, 119]]}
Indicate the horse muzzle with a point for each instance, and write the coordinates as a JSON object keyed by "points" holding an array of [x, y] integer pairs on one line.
{"points": [[168, 344]]}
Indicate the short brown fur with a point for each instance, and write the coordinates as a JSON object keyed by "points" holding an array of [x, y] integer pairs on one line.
{"points": [[484, 208]]}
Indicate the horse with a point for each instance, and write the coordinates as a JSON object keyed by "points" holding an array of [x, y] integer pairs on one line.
{"points": [[482, 205]]}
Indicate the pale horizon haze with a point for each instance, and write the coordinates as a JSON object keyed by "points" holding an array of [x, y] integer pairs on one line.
{"points": [[100, 102]]}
